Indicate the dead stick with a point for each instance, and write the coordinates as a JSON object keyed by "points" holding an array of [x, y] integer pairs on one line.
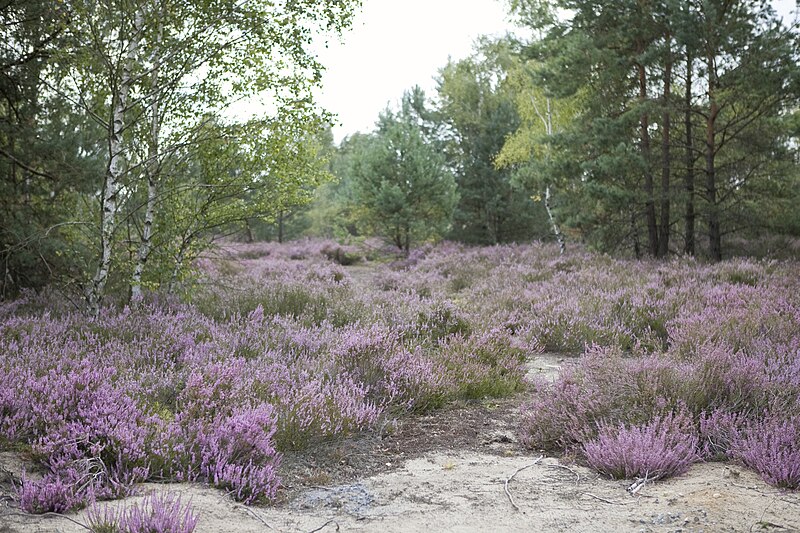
{"points": [[603, 499], [331, 521], [568, 469], [257, 517], [59, 515], [755, 489], [637, 485], [518, 470]]}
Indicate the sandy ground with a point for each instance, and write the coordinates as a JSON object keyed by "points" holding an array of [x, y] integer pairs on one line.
{"points": [[465, 492], [448, 472]]}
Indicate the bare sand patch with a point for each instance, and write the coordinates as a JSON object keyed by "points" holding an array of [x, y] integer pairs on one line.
{"points": [[464, 492]]}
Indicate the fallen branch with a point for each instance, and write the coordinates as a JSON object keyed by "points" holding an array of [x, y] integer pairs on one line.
{"points": [[517, 471], [789, 501], [568, 469], [256, 516], [637, 485], [603, 499], [640, 482], [59, 515], [765, 525], [756, 489], [331, 521]]}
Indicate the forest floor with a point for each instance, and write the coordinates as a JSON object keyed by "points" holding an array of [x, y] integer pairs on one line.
{"points": [[461, 469]]}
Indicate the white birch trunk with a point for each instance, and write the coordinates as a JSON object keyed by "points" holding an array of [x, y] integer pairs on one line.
{"points": [[548, 125], [179, 259], [116, 164], [562, 245], [147, 236], [151, 170]]}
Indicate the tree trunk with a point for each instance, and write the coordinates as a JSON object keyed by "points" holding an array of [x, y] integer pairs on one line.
{"points": [[280, 226], [114, 171], [562, 243], [147, 238], [714, 235], [176, 270], [689, 216], [637, 250], [180, 258], [649, 189], [152, 169], [248, 230], [547, 119], [663, 238], [562, 246], [494, 224]]}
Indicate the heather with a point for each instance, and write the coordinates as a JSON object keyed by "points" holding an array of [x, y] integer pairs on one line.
{"points": [[663, 447], [272, 348], [162, 513], [680, 361]]}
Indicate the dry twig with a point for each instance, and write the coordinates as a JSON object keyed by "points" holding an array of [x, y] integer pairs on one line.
{"points": [[59, 515], [256, 516], [637, 485], [756, 489], [568, 469], [331, 521], [517, 471], [603, 499]]}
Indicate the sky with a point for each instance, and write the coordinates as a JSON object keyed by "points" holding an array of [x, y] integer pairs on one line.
{"points": [[396, 44]]}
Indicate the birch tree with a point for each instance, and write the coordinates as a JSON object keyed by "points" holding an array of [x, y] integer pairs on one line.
{"points": [[117, 40], [529, 148], [154, 72], [236, 173]]}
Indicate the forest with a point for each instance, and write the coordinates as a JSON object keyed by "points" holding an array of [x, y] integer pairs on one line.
{"points": [[191, 293], [122, 163]]}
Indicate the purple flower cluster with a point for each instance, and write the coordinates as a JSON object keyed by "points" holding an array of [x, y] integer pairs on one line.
{"points": [[772, 448], [277, 349], [281, 346], [158, 513], [664, 447]]}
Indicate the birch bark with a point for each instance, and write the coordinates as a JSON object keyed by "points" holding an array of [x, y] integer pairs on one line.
{"points": [[115, 168], [152, 168], [547, 119]]}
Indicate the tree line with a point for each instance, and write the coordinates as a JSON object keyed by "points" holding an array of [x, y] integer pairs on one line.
{"points": [[686, 120], [649, 128]]}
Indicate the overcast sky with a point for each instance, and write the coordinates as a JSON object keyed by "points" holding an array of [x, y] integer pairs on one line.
{"points": [[396, 44]]}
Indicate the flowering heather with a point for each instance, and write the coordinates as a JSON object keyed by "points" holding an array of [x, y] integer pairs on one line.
{"points": [[277, 350], [771, 447], [162, 513], [278, 347], [664, 447]]}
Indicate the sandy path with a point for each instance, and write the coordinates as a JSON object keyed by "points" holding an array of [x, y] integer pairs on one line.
{"points": [[464, 492]]}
